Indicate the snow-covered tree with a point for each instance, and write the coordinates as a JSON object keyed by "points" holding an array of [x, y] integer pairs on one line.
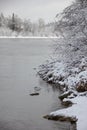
{"points": [[72, 26], [81, 1], [69, 68], [15, 23], [27, 25], [41, 24], [21, 27], [2, 20]]}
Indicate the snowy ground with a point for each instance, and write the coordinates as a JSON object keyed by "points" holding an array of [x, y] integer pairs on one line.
{"points": [[78, 110], [71, 78], [38, 37]]}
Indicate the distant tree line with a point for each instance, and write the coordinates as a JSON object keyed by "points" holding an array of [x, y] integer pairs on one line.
{"points": [[25, 26]]}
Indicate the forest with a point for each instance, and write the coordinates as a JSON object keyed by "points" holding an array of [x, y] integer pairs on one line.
{"points": [[16, 26]]}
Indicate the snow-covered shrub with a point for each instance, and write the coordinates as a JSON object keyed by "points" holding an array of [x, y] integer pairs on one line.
{"points": [[70, 68], [73, 29]]}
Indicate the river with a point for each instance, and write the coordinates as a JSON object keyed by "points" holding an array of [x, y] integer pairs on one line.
{"points": [[19, 110]]}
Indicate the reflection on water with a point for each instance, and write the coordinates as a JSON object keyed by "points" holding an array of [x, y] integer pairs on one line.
{"points": [[18, 110], [20, 125]]}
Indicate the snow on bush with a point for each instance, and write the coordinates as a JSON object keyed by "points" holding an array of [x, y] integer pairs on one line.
{"points": [[71, 49], [69, 70], [68, 77]]}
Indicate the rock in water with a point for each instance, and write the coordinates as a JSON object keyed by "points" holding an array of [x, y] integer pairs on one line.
{"points": [[37, 88], [34, 94]]}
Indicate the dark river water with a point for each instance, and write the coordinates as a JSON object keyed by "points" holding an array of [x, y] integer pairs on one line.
{"points": [[19, 110]]}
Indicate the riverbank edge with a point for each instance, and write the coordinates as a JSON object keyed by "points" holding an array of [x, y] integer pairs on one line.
{"points": [[65, 102], [76, 101], [27, 37]]}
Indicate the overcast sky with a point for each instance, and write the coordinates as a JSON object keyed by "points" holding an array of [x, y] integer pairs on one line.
{"points": [[34, 9]]}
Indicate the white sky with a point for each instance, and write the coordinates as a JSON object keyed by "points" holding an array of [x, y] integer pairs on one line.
{"points": [[34, 9]]}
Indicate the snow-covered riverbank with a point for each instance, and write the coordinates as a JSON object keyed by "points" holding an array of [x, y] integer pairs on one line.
{"points": [[78, 110], [73, 81], [70, 77], [69, 70]]}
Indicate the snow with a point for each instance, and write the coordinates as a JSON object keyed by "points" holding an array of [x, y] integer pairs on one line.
{"points": [[62, 74], [71, 71], [31, 37], [71, 77], [78, 110]]}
